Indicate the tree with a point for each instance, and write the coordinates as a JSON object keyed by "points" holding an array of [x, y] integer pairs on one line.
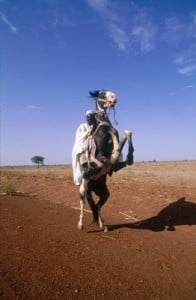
{"points": [[39, 160]]}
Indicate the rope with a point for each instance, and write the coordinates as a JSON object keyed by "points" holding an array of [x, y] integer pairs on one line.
{"points": [[114, 115]]}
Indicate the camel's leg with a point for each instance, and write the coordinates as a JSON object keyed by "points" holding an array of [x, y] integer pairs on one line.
{"points": [[81, 218], [116, 149], [130, 157], [101, 202], [118, 146], [119, 165], [83, 192], [92, 206], [126, 137], [102, 191]]}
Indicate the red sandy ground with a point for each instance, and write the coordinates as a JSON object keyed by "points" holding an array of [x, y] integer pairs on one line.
{"points": [[149, 251]]}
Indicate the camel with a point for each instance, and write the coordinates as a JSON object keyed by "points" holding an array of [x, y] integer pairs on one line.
{"points": [[97, 157]]}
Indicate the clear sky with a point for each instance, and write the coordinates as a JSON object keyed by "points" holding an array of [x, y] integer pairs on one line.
{"points": [[54, 51]]}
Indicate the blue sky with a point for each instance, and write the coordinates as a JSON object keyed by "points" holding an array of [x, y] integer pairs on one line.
{"points": [[53, 52]]}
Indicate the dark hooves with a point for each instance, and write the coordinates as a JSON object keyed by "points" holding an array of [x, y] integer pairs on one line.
{"points": [[129, 159]]}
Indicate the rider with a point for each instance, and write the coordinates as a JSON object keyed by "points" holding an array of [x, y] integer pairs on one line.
{"points": [[105, 100]]}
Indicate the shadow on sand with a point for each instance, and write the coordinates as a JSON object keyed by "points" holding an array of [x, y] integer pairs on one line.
{"points": [[180, 212]]}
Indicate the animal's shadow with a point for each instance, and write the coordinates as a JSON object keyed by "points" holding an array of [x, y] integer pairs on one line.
{"points": [[180, 212]]}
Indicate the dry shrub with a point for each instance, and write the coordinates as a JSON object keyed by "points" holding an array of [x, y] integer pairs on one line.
{"points": [[8, 188]]}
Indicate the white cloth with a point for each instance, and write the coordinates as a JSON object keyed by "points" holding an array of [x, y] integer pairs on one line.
{"points": [[83, 143]]}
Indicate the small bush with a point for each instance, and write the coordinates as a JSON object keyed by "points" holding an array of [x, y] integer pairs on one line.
{"points": [[8, 188]]}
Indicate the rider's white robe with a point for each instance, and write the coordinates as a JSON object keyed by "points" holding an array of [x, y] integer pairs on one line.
{"points": [[83, 143]]}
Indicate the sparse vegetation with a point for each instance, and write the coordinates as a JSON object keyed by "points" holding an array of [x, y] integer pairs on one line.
{"points": [[7, 187]]}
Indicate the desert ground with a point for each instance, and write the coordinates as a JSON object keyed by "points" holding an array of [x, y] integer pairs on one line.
{"points": [[149, 251]]}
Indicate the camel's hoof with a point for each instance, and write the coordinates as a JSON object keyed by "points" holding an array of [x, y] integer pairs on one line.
{"points": [[101, 225], [105, 229], [80, 226], [130, 159]]}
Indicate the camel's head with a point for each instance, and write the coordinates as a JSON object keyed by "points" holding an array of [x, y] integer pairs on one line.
{"points": [[104, 99]]}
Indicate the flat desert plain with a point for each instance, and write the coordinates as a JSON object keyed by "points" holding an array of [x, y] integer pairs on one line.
{"points": [[149, 251]]}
